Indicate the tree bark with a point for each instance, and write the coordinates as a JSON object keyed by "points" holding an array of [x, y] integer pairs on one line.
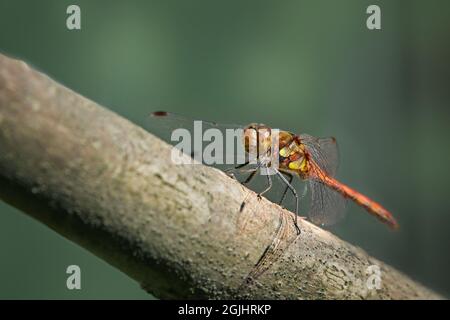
{"points": [[110, 186]]}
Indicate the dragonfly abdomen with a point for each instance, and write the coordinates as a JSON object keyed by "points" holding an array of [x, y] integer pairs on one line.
{"points": [[371, 206]]}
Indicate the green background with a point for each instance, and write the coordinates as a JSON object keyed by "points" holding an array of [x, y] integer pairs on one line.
{"points": [[308, 66]]}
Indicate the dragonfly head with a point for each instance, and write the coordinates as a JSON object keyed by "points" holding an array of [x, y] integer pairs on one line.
{"points": [[257, 138]]}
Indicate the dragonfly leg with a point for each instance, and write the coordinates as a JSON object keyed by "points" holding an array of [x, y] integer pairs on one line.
{"points": [[289, 185], [269, 186], [231, 174], [249, 178], [252, 171], [290, 177]]}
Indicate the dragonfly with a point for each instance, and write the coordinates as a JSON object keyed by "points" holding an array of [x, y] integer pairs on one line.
{"points": [[313, 160]]}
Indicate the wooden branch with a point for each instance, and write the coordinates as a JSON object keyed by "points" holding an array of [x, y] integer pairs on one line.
{"points": [[110, 186]]}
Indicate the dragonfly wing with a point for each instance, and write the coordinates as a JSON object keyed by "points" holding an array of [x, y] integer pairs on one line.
{"points": [[326, 205], [324, 152], [219, 145], [281, 241]]}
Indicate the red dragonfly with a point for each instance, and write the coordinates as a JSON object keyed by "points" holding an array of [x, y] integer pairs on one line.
{"points": [[313, 160]]}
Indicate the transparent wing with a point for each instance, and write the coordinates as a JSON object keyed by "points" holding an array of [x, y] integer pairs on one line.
{"points": [[219, 145], [281, 241], [326, 205], [163, 120], [324, 152]]}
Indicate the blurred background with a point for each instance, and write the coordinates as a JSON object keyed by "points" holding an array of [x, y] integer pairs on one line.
{"points": [[307, 66]]}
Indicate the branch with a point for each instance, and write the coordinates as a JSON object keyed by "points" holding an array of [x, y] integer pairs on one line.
{"points": [[109, 186]]}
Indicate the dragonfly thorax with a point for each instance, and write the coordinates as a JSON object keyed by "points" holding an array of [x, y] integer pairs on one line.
{"points": [[293, 157]]}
